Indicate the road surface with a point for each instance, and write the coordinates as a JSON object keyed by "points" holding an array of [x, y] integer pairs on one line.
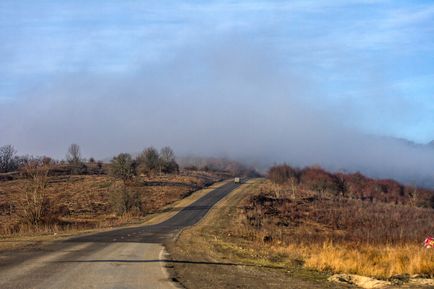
{"points": [[123, 258]]}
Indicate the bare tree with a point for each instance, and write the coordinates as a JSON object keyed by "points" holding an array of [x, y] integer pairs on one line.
{"points": [[74, 156], [167, 161], [123, 199], [149, 160], [36, 206], [167, 154], [8, 161], [123, 167]]}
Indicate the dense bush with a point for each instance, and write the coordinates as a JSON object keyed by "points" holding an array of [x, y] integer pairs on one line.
{"points": [[124, 200], [123, 167], [169, 167], [149, 161], [167, 161], [320, 181], [35, 206]]}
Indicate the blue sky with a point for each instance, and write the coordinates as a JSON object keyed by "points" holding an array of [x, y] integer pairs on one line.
{"points": [[369, 62]]}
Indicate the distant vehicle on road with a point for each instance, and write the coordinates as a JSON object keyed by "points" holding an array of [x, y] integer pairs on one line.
{"points": [[237, 180]]}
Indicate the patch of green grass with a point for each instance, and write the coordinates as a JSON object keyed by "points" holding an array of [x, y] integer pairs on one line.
{"points": [[104, 185]]}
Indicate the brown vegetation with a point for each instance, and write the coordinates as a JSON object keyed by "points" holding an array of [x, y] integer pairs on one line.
{"points": [[8, 160], [354, 186], [337, 220], [83, 201], [39, 194], [33, 194], [345, 223]]}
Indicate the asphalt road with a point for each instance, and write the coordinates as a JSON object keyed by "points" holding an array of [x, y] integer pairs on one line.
{"points": [[123, 258]]}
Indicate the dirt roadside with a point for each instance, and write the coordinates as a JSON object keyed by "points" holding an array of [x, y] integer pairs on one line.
{"points": [[203, 256]]}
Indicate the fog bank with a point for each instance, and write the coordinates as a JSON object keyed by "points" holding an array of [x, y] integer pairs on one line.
{"points": [[211, 99]]}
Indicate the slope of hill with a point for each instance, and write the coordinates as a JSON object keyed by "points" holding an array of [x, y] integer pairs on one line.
{"points": [[341, 223], [80, 201]]}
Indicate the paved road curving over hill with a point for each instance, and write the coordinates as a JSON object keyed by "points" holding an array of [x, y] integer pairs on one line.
{"points": [[123, 258]]}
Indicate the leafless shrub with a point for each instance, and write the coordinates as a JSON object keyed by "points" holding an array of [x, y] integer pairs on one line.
{"points": [[122, 198], [8, 160], [73, 155], [168, 163], [282, 174], [123, 167], [149, 161], [36, 208]]}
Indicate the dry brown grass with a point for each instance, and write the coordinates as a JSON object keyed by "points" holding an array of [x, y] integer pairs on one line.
{"points": [[338, 235], [375, 261], [80, 202]]}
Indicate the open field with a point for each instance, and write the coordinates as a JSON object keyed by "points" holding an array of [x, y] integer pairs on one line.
{"points": [[338, 235], [230, 251], [80, 202]]}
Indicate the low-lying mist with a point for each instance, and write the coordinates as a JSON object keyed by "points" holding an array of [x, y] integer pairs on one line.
{"points": [[215, 99]]}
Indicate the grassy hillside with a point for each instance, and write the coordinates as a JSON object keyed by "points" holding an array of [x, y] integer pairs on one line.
{"points": [[339, 223], [81, 199]]}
